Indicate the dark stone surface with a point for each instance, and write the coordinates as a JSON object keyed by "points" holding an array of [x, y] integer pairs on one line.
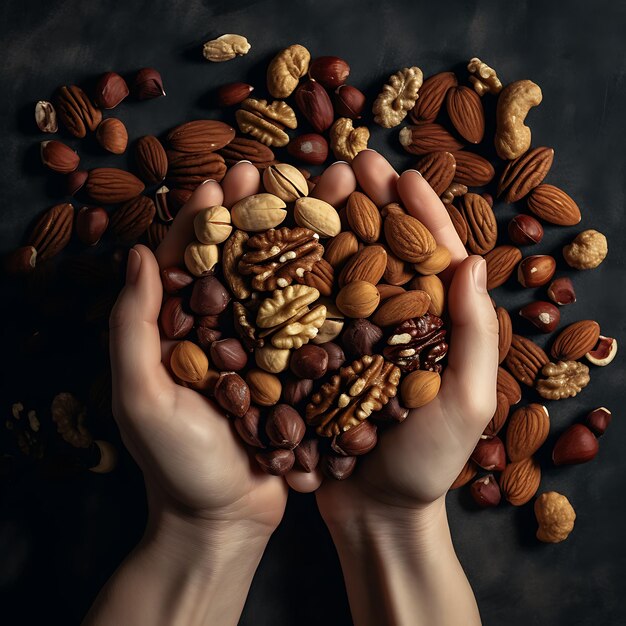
{"points": [[61, 536]]}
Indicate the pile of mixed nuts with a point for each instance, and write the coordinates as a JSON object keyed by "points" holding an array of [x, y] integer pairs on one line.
{"points": [[315, 326]]}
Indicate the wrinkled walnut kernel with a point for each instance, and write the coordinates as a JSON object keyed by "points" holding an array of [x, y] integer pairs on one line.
{"points": [[483, 78], [562, 380], [397, 97]]}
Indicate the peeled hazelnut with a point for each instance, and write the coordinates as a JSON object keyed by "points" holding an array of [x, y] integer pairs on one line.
{"points": [[604, 352], [393, 411], [248, 427], [310, 148], [188, 362], [276, 462], [91, 224], [176, 323], [360, 337], [598, 420], [349, 102], [576, 445], [209, 296], [296, 390], [233, 93], [330, 71], [75, 182], [232, 393], [265, 388], [561, 291], [490, 454], [110, 90], [336, 357], [338, 467], [212, 225], [359, 439], [174, 279], [285, 427], [59, 157], [536, 270], [309, 361], [525, 230], [46, 117], [228, 355], [112, 135], [486, 491], [543, 315], [307, 454], [148, 84]]}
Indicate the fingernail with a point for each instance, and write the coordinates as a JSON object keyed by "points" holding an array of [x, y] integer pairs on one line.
{"points": [[208, 180], [243, 161], [479, 273], [338, 162], [367, 150], [416, 171], [133, 266]]}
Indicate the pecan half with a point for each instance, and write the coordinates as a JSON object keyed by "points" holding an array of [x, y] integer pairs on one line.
{"points": [[53, 231], [266, 122], [232, 252], [76, 111]]}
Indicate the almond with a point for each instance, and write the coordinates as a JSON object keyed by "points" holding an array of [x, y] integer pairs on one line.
{"points": [[112, 135], [553, 205], [428, 137], [187, 170], [52, 231], [363, 217], [438, 168], [408, 238], [466, 112], [523, 174], [508, 386], [59, 157], [505, 333], [499, 417], [397, 272], [525, 359], [402, 307], [242, 148], [466, 474], [340, 248], [358, 299], [458, 221], [151, 159], [482, 228], [419, 388], [520, 480], [472, 170], [132, 219], [200, 136], [368, 264], [431, 96], [527, 430], [576, 340], [388, 291], [109, 185], [501, 262], [433, 286]]}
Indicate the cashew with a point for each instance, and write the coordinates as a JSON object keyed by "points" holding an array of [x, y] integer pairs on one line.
{"points": [[512, 136]]}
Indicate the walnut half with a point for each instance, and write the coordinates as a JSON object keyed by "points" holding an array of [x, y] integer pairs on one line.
{"points": [[562, 380], [397, 97]]}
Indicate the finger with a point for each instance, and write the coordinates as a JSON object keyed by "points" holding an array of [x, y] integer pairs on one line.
{"points": [[304, 482], [172, 249], [134, 333], [241, 180], [336, 184], [376, 177], [421, 201], [469, 381]]}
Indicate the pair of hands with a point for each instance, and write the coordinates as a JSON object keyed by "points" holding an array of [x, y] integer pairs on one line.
{"points": [[194, 465]]}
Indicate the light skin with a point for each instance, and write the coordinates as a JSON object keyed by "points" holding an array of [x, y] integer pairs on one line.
{"points": [[211, 511]]}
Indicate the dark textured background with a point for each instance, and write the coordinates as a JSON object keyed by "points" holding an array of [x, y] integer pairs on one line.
{"points": [[62, 535]]}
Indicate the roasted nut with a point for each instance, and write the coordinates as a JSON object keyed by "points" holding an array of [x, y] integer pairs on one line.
{"points": [[314, 103], [349, 102], [564, 379], [52, 231], [482, 228], [604, 352], [536, 270], [467, 115], [286, 69], [317, 215], [505, 333], [543, 315], [188, 362], [201, 258], [598, 420], [336, 357], [524, 359], [468, 471], [58, 157], [209, 296], [419, 388], [310, 148], [455, 190], [233, 93], [433, 286], [520, 480], [265, 388], [309, 361], [276, 462], [397, 97], [587, 251], [368, 264], [110, 90], [358, 299], [561, 291], [483, 78], [285, 181], [361, 337], [575, 340], [109, 185], [176, 323], [271, 359], [266, 121], [112, 135], [228, 355], [75, 181], [555, 517], [151, 159], [162, 208], [284, 427], [436, 262], [486, 491], [393, 411], [76, 111], [489, 454], [359, 439], [46, 117], [212, 225], [307, 454], [175, 279], [338, 467], [225, 48], [525, 173], [499, 416], [249, 427], [258, 212], [577, 444], [408, 238], [340, 248], [147, 84], [346, 141], [525, 230], [330, 71], [428, 137], [402, 307], [296, 390], [91, 224], [527, 430], [512, 136], [232, 394], [363, 217]]}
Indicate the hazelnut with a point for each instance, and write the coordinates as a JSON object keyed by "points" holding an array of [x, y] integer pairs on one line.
{"points": [[296, 390], [307, 454], [228, 355], [112, 135], [174, 279], [209, 296], [490, 454], [248, 427], [536, 270], [338, 467], [336, 357], [486, 491], [176, 323], [265, 388], [309, 361], [232, 393], [598, 420], [147, 84], [604, 352], [207, 336], [310, 148], [188, 362], [349, 102], [577, 444], [543, 315], [359, 439], [58, 157], [201, 258], [212, 225], [361, 337], [555, 517], [561, 291], [276, 462], [75, 182], [233, 93], [284, 427], [393, 411], [525, 230], [110, 90], [91, 224], [329, 71]]}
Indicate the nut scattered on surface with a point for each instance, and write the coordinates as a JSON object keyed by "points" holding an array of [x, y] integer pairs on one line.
{"points": [[483, 78], [555, 516], [346, 141], [604, 352], [587, 251], [46, 117], [225, 48], [564, 379], [397, 97], [286, 69]]}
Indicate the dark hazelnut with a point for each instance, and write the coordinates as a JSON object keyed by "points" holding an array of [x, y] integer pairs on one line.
{"points": [[307, 454], [486, 491], [207, 336], [285, 427], [110, 90], [232, 394], [296, 390], [148, 84], [276, 462], [338, 467], [228, 355], [525, 230], [91, 223], [543, 315], [75, 181], [309, 361], [360, 338], [174, 279], [176, 323], [490, 454], [248, 427], [359, 439], [209, 296], [598, 420], [336, 357], [393, 411]]}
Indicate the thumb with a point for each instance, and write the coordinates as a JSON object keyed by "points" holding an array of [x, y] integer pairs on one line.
{"points": [[134, 333], [469, 383]]}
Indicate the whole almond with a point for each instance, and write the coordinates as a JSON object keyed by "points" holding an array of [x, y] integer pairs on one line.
{"points": [[243, 148], [109, 185], [438, 168], [200, 136], [523, 174], [150, 159], [525, 359], [553, 205], [363, 217], [465, 109], [505, 332], [408, 238], [340, 248], [501, 263], [187, 170], [482, 228], [520, 480], [527, 430], [507, 385], [59, 157], [112, 135], [52, 231], [499, 418], [368, 264], [431, 96], [428, 137], [397, 272], [472, 169], [388, 291], [466, 474], [418, 388], [574, 341], [433, 286], [132, 219], [402, 307], [458, 221], [358, 299], [435, 263]]}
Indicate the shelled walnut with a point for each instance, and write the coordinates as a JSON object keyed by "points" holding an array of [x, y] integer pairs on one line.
{"points": [[564, 379], [397, 97], [483, 78]]}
